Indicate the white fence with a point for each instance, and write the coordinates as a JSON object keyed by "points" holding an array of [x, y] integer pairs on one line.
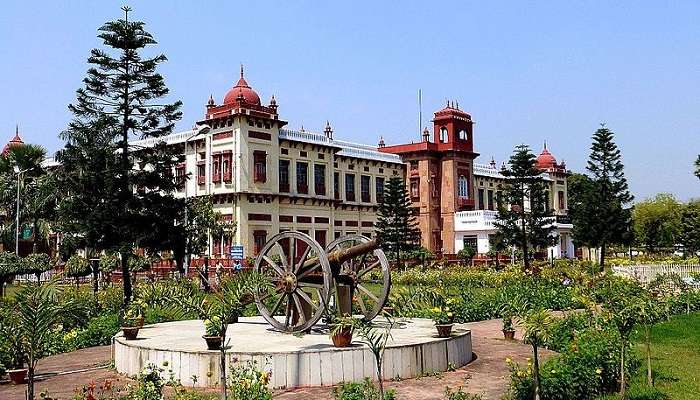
{"points": [[646, 273]]}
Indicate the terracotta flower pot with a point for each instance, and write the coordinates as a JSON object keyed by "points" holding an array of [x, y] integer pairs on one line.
{"points": [[18, 376], [130, 332], [343, 337], [509, 334], [444, 330], [213, 342]]}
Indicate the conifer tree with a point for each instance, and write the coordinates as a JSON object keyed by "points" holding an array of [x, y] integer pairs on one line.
{"points": [[581, 211], [697, 167], [397, 228], [609, 193], [131, 188], [524, 217], [689, 235]]}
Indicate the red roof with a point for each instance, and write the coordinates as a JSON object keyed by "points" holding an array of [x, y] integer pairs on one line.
{"points": [[242, 91], [546, 160], [16, 141]]}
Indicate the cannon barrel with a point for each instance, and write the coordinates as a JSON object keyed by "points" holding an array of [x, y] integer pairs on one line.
{"points": [[340, 256]]}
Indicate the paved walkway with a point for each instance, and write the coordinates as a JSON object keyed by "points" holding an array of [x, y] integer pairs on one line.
{"points": [[486, 375]]}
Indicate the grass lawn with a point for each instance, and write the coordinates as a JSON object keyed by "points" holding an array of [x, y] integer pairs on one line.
{"points": [[675, 347]]}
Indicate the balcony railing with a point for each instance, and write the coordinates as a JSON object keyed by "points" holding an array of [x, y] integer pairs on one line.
{"points": [[227, 176], [284, 187], [349, 196], [201, 180], [463, 201], [216, 178], [320, 190], [302, 188]]}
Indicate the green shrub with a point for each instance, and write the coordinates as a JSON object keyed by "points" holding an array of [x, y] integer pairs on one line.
{"points": [[460, 395], [365, 390], [247, 382]]}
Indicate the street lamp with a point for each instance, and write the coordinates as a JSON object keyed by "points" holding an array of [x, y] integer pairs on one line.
{"points": [[199, 130], [19, 173]]}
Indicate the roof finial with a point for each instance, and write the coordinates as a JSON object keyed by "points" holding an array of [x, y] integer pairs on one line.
{"points": [[16, 129], [457, 104], [241, 70], [545, 145]]}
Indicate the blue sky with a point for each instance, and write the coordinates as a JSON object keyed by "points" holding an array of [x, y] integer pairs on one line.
{"points": [[526, 72]]}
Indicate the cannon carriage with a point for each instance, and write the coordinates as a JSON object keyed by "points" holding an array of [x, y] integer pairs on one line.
{"points": [[351, 274]]}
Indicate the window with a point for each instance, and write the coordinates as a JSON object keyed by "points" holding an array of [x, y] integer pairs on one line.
{"points": [[364, 188], [259, 240], [489, 197], [349, 187], [336, 185], [463, 135], [415, 188], [562, 201], [302, 177], [443, 135], [320, 179], [469, 241], [481, 199], [320, 237], [180, 176], [284, 175], [462, 186], [227, 166], [379, 187], [259, 166], [201, 173], [216, 164]]}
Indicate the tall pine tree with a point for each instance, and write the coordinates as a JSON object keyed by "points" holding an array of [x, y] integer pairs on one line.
{"points": [[697, 167], [581, 209], [122, 100], [397, 228], [609, 193], [524, 217]]}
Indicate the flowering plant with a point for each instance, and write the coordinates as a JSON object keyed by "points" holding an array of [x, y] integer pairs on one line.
{"points": [[213, 326], [247, 382], [443, 314]]}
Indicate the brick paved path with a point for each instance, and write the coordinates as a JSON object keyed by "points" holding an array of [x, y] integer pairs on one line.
{"points": [[486, 375]]}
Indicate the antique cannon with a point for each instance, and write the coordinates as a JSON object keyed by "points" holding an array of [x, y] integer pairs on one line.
{"points": [[351, 274]]}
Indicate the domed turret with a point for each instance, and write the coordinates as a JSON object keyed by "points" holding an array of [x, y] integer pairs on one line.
{"points": [[16, 141], [242, 93], [546, 160]]}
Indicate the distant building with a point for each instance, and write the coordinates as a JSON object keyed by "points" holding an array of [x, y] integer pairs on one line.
{"points": [[456, 197]]}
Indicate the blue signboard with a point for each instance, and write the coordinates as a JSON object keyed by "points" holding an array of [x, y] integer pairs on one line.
{"points": [[236, 252]]}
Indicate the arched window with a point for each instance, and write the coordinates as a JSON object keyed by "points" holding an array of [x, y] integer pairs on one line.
{"points": [[463, 135], [462, 186], [443, 135]]}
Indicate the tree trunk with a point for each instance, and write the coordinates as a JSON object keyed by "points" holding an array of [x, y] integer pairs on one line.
{"points": [[95, 277], [647, 340], [379, 378], [602, 256], [126, 278], [30, 382], [222, 361], [622, 371], [205, 274], [536, 371]]}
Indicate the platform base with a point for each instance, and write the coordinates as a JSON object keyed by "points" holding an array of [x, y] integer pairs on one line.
{"points": [[295, 361]]}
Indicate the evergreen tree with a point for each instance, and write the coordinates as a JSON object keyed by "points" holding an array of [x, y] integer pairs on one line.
{"points": [[609, 193], [397, 228], [657, 222], [580, 188], [697, 167], [524, 217], [121, 100], [689, 235]]}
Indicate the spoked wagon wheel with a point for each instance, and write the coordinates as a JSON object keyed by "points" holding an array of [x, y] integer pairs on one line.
{"points": [[301, 278], [367, 274]]}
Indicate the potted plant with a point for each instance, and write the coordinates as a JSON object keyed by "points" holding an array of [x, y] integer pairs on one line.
{"points": [[10, 329], [341, 330], [443, 318], [137, 308], [130, 328], [212, 335], [508, 329]]}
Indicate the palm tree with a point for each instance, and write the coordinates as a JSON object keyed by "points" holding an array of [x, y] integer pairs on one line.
{"points": [[39, 311], [536, 324]]}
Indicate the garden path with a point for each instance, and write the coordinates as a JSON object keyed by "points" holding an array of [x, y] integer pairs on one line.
{"points": [[486, 375]]}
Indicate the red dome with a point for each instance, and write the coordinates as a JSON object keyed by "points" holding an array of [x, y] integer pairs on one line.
{"points": [[242, 91], [546, 160], [16, 141]]}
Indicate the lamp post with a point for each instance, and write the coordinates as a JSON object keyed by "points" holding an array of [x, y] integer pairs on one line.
{"points": [[199, 130], [19, 173]]}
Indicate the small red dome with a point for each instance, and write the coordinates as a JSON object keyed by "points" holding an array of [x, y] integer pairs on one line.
{"points": [[242, 91], [16, 141], [546, 160]]}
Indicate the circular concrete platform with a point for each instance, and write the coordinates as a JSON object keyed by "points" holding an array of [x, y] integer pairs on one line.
{"points": [[305, 360]]}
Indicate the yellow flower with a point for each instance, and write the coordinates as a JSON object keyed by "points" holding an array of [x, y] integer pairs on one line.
{"points": [[449, 314], [509, 360], [554, 371], [265, 377], [521, 374], [598, 371]]}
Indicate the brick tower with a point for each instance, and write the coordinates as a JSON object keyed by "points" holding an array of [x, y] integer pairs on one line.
{"points": [[439, 175]]}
